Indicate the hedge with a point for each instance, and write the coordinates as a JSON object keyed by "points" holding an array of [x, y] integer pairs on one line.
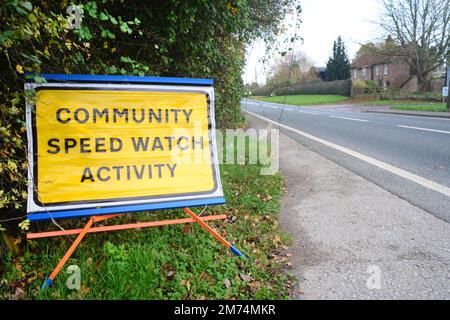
{"points": [[197, 39], [339, 87]]}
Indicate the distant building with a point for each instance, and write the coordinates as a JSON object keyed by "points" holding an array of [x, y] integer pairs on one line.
{"points": [[389, 71], [319, 72], [384, 70]]}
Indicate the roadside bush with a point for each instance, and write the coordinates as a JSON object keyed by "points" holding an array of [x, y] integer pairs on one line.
{"points": [[371, 86], [359, 87], [200, 39], [339, 87], [264, 91], [364, 87]]}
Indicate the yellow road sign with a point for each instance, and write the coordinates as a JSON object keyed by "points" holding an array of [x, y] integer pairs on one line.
{"points": [[121, 145]]}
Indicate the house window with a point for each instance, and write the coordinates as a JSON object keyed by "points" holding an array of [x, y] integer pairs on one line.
{"points": [[355, 73], [364, 73], [377, 71], [386, 69]]}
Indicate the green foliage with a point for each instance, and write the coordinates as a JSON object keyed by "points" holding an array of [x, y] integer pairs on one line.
{"points": [[339, 87], [199, 38], [338, 65], [364, 87], [411, 104], [172, 262], [305, 100]]}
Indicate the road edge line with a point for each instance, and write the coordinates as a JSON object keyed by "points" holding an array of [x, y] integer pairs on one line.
{"points": [[380, 164]]}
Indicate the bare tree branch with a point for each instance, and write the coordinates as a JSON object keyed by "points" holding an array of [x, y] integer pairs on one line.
{"points": [[421, 31]]}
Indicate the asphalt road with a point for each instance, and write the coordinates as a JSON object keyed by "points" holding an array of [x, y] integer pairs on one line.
{"points": [[412, 153]]}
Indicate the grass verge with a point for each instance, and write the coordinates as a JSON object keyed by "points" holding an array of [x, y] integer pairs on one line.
{"points": [[171, 262], [411, 105], [305, 100]]}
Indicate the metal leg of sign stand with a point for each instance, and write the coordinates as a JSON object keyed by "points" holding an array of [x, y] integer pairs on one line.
{"points": [[48, 282], [89, 229], [213, 233]]}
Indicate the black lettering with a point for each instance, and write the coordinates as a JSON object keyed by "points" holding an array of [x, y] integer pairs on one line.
{"points": [[100, 142], [77, 118], [179, 143], [150, 171], [187, 114], [123, 113], [58, 115], [194, 142], [152, 114], [111, 145], [139, 174], [128, 173], [87, 175], [142, 116], [157, 144], [159, 166], [69, 143], [140, 144], [99, 176], [172, 169], [167, 115], [100, 114], [169, 141], [118, 168], [56, 146], [175, 115], [84, 145]]}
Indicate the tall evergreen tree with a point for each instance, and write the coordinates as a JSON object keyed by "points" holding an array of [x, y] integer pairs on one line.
{"points": [[338, 65]]}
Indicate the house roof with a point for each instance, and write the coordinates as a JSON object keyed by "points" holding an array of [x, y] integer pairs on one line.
{"points": [[369, 60]]}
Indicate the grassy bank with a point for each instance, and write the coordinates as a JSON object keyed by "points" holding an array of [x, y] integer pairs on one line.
{"points": [[171, 262], [411, 105], [304, 100]]}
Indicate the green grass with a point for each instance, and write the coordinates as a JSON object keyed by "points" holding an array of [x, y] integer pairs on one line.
{"points": [[411, 105], [305, 100], [170, 262]]}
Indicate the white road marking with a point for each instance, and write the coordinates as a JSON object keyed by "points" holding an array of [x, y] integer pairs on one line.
{"points": [[347, 118], [407, 115], [424, 129], [380, 164], [307, 112]]}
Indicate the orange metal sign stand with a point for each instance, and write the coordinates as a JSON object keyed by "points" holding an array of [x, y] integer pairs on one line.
{"points": [[89, 229]]}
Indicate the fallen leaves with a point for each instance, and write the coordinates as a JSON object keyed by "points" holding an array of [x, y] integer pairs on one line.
{"points": [[186, 283], [226, 283], [246, 277], [168, 270], [254, 286], [18, 294], [186, 229]]}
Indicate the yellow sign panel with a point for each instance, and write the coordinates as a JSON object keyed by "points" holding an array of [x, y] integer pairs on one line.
{"points": [[111, 145]]}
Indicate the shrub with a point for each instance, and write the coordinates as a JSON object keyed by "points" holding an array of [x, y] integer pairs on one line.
{"points": [[339, 87], [362, 87], [198, 39]]}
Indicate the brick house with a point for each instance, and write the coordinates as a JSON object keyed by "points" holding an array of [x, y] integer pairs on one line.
{"points": [[384, 70]]}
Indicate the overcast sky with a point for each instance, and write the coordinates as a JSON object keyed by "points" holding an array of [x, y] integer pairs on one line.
{"points": [[323, 22]]}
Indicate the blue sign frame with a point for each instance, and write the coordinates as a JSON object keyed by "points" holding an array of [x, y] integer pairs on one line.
{"points": [[115, 79]]}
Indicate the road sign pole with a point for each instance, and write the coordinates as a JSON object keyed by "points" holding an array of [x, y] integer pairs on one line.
{"points": [[88, 228], [214, 233], [447, 83]]}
